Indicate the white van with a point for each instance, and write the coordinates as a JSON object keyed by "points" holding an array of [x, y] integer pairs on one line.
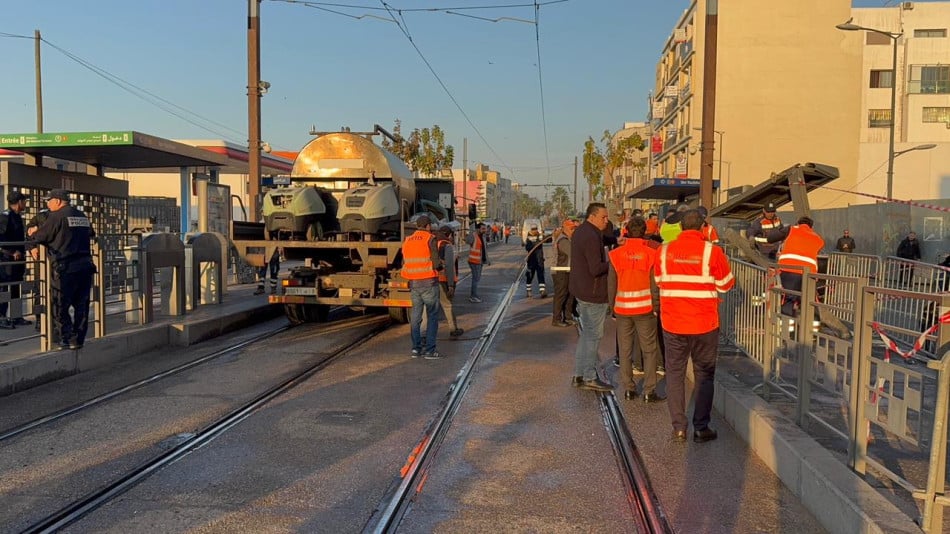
{"points": [[526, 227]]}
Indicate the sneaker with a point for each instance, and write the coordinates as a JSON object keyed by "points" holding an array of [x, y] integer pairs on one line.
{"points": [[434, 355], [615, 361], [661, 370], [544, 295], [6, 324], [475, 300], [415, 353], [528, 293], [637, 370], [259, 291], [456, 333]]}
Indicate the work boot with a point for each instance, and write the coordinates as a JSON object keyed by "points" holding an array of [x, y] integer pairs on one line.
{"points": [[6, 324], [528, 292], [259, 290]]}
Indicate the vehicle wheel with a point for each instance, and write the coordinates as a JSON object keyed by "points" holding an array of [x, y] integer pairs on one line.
{"points": [[314, 231], [318, 313], [294, 313], [399, 315]]}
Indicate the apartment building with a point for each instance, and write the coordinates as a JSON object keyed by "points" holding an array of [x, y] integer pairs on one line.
{"points": [[487, 189], [922, 98], [785, 94]]}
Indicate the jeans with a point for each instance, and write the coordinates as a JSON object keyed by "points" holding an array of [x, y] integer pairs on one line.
{"points": [[476, 276], [586, 359], [424, 298]]}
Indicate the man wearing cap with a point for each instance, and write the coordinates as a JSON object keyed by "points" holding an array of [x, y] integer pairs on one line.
{"points": [[535, 260], [420, 264], [12, 252], [760, 229], [66, 234], [448, 277], [563, 300]]}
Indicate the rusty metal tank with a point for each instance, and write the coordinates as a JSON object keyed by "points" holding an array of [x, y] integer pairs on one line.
{"points": [[353, 158]]}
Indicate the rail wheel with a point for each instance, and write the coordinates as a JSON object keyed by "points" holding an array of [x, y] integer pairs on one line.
{"points": [[306, 313], [399, 315]]}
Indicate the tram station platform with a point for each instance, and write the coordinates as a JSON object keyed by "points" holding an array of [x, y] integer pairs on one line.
{"points": [[529, 452], [24, 365]]}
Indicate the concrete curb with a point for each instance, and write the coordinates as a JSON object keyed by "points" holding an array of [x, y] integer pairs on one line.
{"points": [[838, 497], [37, 369]]}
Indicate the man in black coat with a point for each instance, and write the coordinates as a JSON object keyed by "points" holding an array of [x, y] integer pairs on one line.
{"points": [[12, 255], [908, 249]]}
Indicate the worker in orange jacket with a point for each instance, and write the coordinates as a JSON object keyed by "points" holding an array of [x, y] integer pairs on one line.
{"points": [[420, 264], [709, 231], [800, 252], [632, 290], [691, 273]]}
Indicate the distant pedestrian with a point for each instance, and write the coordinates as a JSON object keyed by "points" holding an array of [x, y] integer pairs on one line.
{"points": [[66, 234], [477, 258], [588, 283], [653, 227], [908, 249], [12, 257], [633, 292], [507, 232], [691, 273], [535, 261], [564, 303], [845, 243], [448, 277], [272, 265], [420, 257]]}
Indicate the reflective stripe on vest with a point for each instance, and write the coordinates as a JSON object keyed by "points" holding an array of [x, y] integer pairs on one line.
{"points": [[801, 249], [417, 258], [633, 263], [701, 286], [475, 253]]}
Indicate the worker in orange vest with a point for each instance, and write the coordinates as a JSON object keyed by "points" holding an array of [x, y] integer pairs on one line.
{"points": [[507, 232], [653, 227], [709, 231], [420, 261], [800, 252], [691, 273], [477, 257], [448, 277], [632, 290]]}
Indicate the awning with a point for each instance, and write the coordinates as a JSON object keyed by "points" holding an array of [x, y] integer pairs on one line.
{"points": [[115, 150], [668, 189]]}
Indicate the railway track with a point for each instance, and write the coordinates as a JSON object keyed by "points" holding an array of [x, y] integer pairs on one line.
{"points": [[107, 492]]}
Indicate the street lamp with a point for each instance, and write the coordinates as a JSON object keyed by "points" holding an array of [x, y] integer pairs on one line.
{"points": [[720, 133], [928, 146], [850, 27]]}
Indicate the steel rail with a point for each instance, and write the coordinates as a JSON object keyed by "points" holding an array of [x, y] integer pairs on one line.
{"points": [[389, 513], [65, 412], [644, 502], [76, 510]]}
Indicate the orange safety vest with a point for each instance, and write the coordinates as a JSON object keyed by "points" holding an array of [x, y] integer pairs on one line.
{"points": [[417, 258], [710, 233], [653, 227], [507, 231], [442, 276], [691, 273], [475, 253], [801, 249], [633, 262]]}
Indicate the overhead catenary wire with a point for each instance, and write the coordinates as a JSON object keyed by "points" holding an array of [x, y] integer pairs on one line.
{"points": [[419, 9], [855, 185]]}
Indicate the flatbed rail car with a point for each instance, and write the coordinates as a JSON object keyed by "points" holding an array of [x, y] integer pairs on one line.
{"points": [[337, 273]]}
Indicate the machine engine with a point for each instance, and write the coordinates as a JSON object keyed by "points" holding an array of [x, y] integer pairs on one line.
{"points": [[300, 213], [371, 208]]}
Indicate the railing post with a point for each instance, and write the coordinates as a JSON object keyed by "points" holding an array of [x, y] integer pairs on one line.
{"points": [[867, 302], [99, 258], [933, 511], [803, 333], [858, 365]]}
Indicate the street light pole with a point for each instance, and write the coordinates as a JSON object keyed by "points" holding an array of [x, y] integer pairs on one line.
{"points": [[850, 27]]}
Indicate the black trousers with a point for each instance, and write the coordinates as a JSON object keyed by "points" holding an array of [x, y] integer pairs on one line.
{"points": [[71, 290], [564, 302], [10, 274], [703, 349], [791, 282], [535, 269]]}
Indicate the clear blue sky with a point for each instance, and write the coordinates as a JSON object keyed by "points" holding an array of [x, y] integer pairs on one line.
{"points": [[598, 62]]}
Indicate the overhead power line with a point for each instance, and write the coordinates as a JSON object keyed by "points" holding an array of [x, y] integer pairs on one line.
{"points": [[419, 9]]}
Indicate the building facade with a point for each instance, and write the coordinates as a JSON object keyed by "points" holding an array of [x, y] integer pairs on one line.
{"points": [[785, 93], [487, 189]]}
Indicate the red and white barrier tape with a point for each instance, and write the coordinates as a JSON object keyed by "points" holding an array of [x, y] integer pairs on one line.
{"points": [[918, 344], [886, 199]]}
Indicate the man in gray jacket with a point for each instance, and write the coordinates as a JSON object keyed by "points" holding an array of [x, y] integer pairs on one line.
{"points": [[448, 277]]}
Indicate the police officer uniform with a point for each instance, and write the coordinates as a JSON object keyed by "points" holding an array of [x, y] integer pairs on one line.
{"points": [[66, 235], [761, 228], [12, 255]]}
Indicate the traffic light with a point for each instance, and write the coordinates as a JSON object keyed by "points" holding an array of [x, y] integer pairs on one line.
{"points": [[472, 212]]}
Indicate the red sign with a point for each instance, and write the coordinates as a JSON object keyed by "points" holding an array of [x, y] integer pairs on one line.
{"points": [[657, 145]]}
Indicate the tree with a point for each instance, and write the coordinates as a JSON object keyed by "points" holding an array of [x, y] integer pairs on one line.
{"points": [[600, 164], [561, 201], [424, 151], [527, 207], [593, 167]]}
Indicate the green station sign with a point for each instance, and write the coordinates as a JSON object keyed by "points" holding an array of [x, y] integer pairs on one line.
{"points": [[24, 140]]}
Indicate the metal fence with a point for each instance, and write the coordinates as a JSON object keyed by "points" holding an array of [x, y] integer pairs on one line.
{"points": [[865, 384]]}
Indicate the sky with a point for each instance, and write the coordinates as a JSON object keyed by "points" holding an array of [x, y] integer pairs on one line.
{"points": [[329, 70]]}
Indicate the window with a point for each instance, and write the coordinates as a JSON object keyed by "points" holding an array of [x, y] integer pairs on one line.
{"points": [[931, 33], [882, 78], [933, 79], [879, 118], [877, 39], [941, 115]]}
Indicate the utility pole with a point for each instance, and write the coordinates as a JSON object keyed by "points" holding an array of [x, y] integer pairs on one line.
{"points": [[253, 108], [576, 208], [709, 104], [38, 159]]}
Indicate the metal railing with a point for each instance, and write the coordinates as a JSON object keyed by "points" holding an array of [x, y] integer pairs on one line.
{"points": [[889, 405]]}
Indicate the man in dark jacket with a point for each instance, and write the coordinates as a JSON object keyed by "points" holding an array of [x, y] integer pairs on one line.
{"points": [[588, 284], [12, 252], [535, 262], [845, 243], [908, 249]]}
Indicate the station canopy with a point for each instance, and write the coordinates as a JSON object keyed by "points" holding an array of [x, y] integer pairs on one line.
{"points": [[668, 189], [115, 149]]}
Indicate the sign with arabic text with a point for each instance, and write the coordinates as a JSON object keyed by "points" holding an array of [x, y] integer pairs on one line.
{"points": [[25, 140]]}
